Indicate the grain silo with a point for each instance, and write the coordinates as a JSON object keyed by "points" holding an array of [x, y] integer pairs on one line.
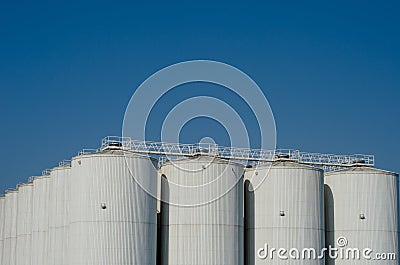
{"points": [[2, 200], [362, 211], [285, 210], [24, 224], [58, 214], [10, 227], [202, 212], [40, 220], [112, 219]]}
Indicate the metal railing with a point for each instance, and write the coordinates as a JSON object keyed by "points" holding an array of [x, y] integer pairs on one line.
{"points": [[238, 154], [87, 151], [64, 163], [46, 172]]}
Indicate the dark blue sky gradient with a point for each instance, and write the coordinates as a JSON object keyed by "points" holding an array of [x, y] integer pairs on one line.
{"points": [[68, 69]]}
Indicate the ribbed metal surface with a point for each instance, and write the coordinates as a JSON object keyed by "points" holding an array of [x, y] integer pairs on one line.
{"points": [[58, 215], [363, 191], [209, 233], [123, 233], [285, 211], [10, 228], [40, 220], [2, 201], [67, 176], [24, 224]]}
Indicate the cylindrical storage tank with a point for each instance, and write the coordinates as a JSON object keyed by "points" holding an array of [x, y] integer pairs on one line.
{"points": [[113, 221], [24, 224], [2, 201], [40, 220], [362, 213], [202, 212], [284, 209], [10, 227], [51, 235], [58, 206], [66, 173]]}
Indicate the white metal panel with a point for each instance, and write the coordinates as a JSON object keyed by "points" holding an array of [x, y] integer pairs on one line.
{"points": [[52, 207], [10, 229], [234, 153], [2, 202], [40, 220], [58, 215], [363, 191], [65, 173], [285, 211], [211, 231], [24, 224], [125, 231]]}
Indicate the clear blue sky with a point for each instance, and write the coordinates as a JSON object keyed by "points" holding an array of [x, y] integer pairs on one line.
{"points": [[67, 70]]}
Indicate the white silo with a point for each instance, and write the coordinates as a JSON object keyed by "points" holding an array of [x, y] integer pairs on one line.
{"points": [[24, 224], [58, 206], [284, 208], [202, 212], [112, 219], [58, 210], [40, 220], [52, 208], [362, 210], [2, 201], [10, 227], [66, 173]]}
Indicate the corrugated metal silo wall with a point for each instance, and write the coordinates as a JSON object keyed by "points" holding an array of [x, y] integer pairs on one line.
{"points": [[363, 191], [210, 233], [2, 201], [285, 209], [112, 220], [66, 173], [24, 224], [58, 215], [10, 229], [40, 220], [51, 235]]}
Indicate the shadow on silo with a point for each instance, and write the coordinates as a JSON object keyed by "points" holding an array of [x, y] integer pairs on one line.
{"points": [[329, 222], [249, 244], [398, 211], [163, 224], [158, 260]]}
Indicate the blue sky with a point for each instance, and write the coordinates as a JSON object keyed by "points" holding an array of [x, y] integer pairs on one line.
{"points": [[67, 71]]}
